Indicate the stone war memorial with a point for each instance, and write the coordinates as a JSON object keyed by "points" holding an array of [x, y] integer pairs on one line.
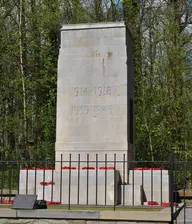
{"points": [[94, 150], [95, 89]]}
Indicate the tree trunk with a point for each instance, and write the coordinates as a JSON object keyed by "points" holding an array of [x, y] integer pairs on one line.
{"points": [[22, 54]]}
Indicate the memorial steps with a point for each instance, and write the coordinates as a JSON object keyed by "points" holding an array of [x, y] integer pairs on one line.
{"points": [[89, 186]]}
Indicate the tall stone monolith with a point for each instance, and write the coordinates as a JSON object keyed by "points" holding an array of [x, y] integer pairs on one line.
{"points": [[95, 95]]}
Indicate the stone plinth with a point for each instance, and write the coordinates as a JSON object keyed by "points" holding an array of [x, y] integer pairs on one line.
{"points": [[95, 93], [83, 188], [159, 196], [156, 184], [48, 193], [131, 195], [30, 180]]}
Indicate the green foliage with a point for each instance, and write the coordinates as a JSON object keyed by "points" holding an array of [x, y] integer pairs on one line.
{"points": [[163, 87]]}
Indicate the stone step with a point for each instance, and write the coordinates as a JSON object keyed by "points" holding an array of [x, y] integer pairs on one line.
{"points": [[154, 179], [156, 183], [156, 195], [107, 191], [82, 187], [31, 179], [131, 195], [149, 172]]}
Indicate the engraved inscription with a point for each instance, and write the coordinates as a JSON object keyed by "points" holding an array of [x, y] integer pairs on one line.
{"points": [[102, 91], [95, 111], [91, 91], [96, 54], [100, 110], [80, 110], [81, 91], [82, 43]]}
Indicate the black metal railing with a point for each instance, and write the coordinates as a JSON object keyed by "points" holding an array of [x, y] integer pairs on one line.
{"points": [[97, 182]]}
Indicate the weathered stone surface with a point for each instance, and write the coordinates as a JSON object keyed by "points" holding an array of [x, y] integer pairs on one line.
{"points": [[100, 222], [52, 221], [7, 213], [77, 222], [156, 195], [18, 221], [30, 180], [48, 193], [70, 216], [156, 184], [57, 214], [131, 195], [32, 221], [152, 180], [92, 97], [105, 193], [83, 188]]}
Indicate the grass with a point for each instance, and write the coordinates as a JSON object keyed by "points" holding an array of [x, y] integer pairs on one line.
{"points": [[58, 207]]}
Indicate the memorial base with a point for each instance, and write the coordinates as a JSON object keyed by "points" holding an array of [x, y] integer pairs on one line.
{"points": [[156, 184], [75, 187], [131, 195]]}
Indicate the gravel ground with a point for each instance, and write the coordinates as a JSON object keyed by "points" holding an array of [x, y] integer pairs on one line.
{"points": [[188, 216]]}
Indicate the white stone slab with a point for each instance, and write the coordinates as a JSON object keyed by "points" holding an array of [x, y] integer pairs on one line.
{"points": [[149, 172], [29, 178], [93, 161], [87, 190], [93, 26], [156, 195], [131, 195], [98, 51], [48, 193], [153, 180], [153, 185], [85, 42], [156, 184]]}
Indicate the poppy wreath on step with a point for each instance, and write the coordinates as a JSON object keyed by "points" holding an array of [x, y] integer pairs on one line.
{"points": [[47, 183], [45, 169], [30, 168], [6, 201], [88, 168], [167, 204], [68, 168], [152, 203], [53, 203], [147, 168], [106, 168]]}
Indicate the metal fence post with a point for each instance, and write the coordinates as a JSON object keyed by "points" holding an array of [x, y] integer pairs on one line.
{"points": [[61, 176], [69, 192], [172, 185], [114, 205]]}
